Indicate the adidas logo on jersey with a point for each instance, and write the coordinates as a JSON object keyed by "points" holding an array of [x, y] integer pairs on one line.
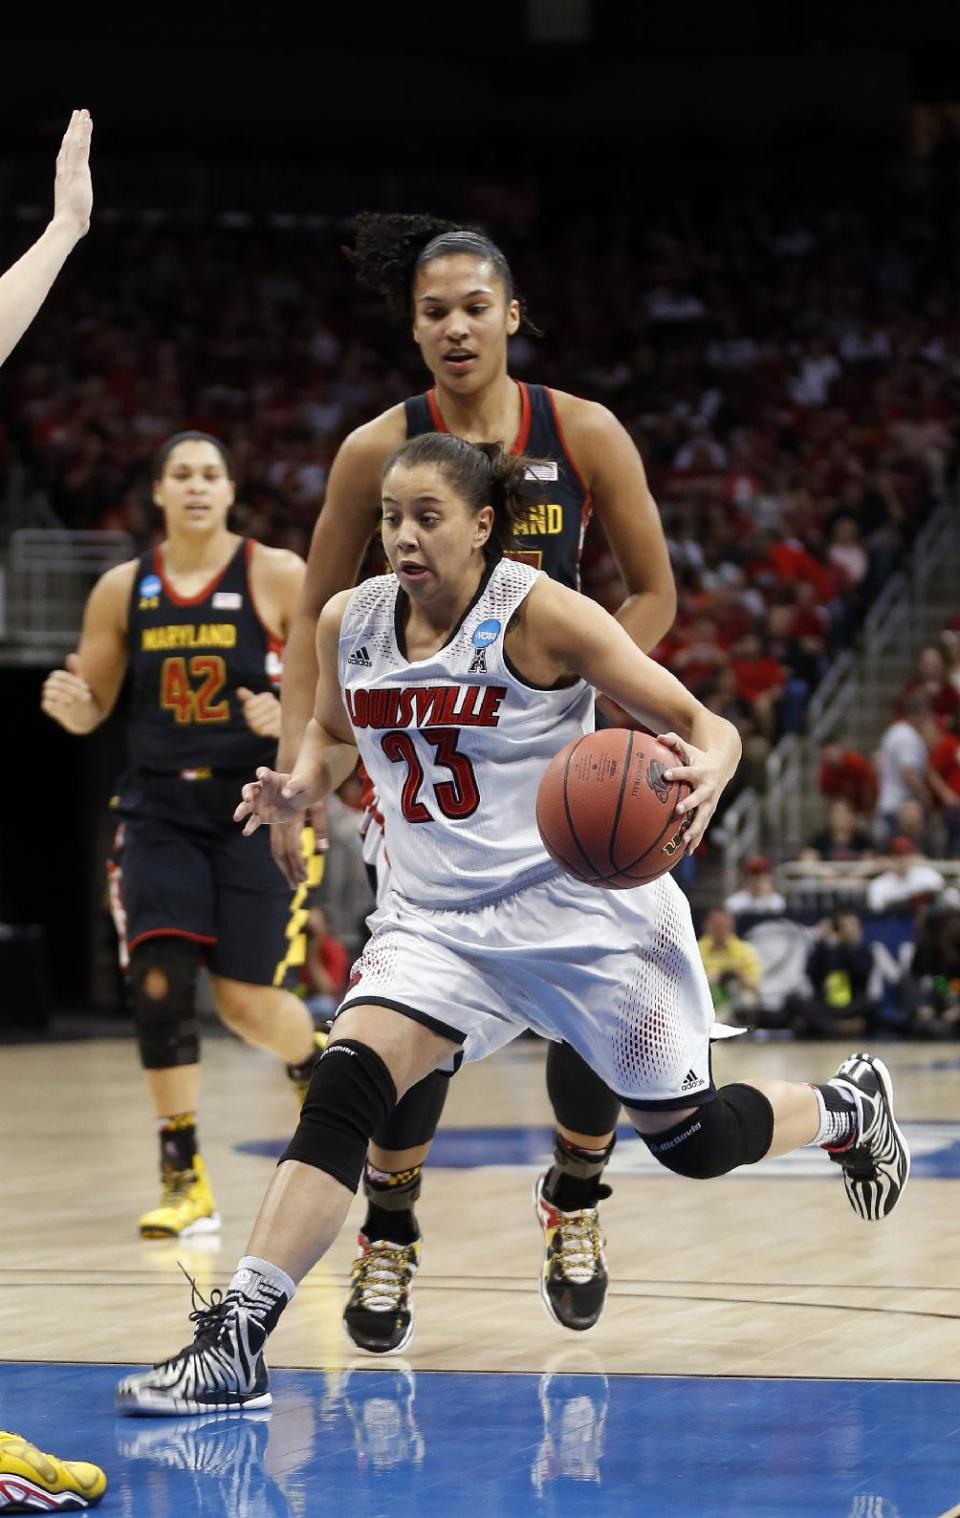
{"points": [[692, 1080], [361, 657], [478, 664]]}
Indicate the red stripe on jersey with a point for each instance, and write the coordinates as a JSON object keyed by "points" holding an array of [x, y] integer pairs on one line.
{"points": [[201, 595], [526, 414], [587, 499]]}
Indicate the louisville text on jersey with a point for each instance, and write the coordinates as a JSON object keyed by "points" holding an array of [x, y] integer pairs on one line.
{"points": [[401, 706]]}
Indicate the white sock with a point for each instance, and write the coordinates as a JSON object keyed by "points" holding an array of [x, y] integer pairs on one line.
{"points": [[841, 1115], [261, 1284]]}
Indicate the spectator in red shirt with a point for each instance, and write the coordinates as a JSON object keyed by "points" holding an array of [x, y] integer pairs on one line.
{"points": [[792, 562], [700, 658], [845, 772], [763, 682], [943, 777], [931, 680]]}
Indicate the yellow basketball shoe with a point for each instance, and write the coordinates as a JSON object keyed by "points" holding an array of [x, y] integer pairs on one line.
{"points": [[186, 1206], [32, 1482]]}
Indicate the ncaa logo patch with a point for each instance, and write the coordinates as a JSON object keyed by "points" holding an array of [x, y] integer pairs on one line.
{"points": [[150, 585], [486, 633]]}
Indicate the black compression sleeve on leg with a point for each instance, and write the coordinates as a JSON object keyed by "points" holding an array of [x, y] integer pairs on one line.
{"points": [[350, 1093], [162, 981], [580, 1100], [416, 1117], [734, 1129]]}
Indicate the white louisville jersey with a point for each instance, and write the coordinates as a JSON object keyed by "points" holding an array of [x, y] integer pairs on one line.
{"points": [[455, 744]]}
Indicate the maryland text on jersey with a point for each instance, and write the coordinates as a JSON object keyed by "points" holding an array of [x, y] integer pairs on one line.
{"points": [[189, 635], [425, 706]]}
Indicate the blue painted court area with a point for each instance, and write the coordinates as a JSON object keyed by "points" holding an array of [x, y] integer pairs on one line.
{"points": [[934, 1146], [373, 1443]]}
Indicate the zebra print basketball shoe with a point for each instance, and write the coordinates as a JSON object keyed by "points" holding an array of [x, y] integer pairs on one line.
{"points": [[223, 1370], [876, 1166]]}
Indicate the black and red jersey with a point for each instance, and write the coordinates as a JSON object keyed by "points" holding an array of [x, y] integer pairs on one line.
{"points": [[187, 656], [553, 535]]}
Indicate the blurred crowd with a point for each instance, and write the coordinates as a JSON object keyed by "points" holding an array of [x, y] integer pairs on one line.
{"points": [[891, 833], [790, 378]]}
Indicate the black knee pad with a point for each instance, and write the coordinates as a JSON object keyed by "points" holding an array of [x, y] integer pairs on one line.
{"points": [[416, 1117], [351, 1092], [580, 1099], [734, 1129], [163, 995]]}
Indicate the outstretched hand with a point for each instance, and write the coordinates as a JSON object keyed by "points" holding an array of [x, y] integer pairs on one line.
{"points": [[73, 187], [271, 798], [705, 774]]}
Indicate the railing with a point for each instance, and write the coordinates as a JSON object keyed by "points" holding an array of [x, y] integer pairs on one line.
{"points": [[937, 541], [49, 575], [23, 507], [836, 695], [783, 801], [887, 624], [889, 628], [738, 835]]}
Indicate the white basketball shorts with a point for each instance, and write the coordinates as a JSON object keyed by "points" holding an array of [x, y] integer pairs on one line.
{"points": [[616, 974]]}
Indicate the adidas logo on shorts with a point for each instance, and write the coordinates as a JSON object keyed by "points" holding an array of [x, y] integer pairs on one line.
{"points": [[691, 1081], [360, 656]]}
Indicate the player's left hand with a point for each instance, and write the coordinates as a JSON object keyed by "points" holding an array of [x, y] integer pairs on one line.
{"points": [[705, 773], [271, 798], [261, 712]]}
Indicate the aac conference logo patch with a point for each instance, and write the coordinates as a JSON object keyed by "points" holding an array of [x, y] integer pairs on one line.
{"points": [[486, 633]]}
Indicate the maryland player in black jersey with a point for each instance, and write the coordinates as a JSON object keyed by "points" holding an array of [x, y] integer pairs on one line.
{"points": [[456, 287], [200, 623]]}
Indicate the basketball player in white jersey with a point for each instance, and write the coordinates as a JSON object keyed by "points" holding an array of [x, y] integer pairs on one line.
{"points": [[457, 678]]}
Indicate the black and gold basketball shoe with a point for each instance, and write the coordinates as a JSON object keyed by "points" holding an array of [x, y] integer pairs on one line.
{"points": [[378, 1316], [574, 1280]]}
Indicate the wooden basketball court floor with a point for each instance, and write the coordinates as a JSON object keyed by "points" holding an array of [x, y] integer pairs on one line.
{"points": [[762, 1351]]}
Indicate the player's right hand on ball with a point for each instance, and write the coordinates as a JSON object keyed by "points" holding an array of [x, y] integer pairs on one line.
{"points": [[271, 798], [68, 699]]}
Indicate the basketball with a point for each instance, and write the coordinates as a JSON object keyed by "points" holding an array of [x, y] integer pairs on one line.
{"points": [[606, 813]]}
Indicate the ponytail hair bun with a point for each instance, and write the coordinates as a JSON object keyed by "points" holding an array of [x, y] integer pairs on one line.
{"points": [[484, 474], [390, 249]]}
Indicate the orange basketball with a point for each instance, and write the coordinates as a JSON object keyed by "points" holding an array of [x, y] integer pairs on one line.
{"points": [[605, 812]]}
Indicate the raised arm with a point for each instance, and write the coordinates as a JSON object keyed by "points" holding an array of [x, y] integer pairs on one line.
{"points": [[84, 694], [628, 514], [27, 283]]}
